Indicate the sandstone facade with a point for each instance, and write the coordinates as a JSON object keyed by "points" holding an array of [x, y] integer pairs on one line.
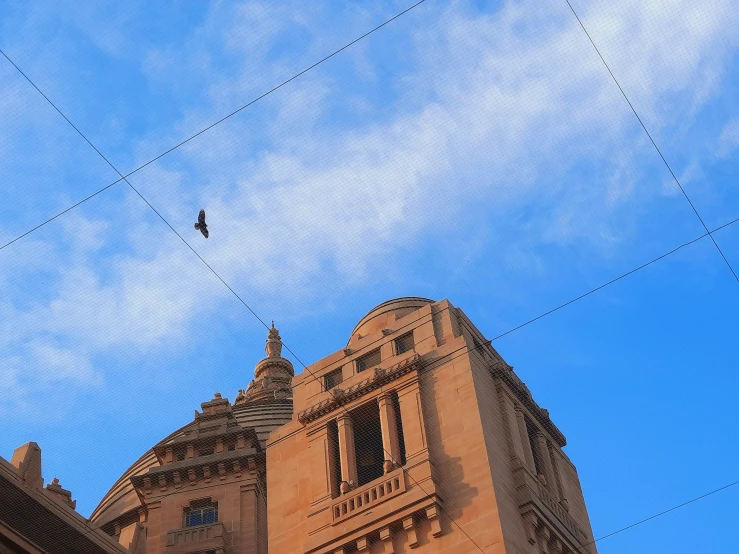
{"points": [[416, 435]]}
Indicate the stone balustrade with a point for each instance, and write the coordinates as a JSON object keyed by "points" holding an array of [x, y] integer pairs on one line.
{"points": [[371, 494], [198, 538]]}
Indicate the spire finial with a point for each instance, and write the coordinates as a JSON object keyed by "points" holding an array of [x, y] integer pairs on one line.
{"points": [[274, 343]]}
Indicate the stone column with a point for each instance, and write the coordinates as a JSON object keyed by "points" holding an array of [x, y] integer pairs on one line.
{"points": [[249, 527], [321, 460], [561, 480], [347, 452], [411, 416], [546, 461], [388, 424], [509, 411], [525, 441]]}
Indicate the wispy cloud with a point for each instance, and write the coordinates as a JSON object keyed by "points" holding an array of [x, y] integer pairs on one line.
{"points": [[322, 186], [729, 138]]}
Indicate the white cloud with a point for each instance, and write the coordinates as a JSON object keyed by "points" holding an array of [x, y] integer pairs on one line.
{"points": [[729, 138], [495, 113], [41, 374]]}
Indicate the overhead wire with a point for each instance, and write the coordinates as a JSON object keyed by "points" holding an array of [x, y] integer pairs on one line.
{"points": [[533, 319], [664, 160], [124, 178], [465, 350], [655, 516], [201, 131], [305, 367], [599, 287]]}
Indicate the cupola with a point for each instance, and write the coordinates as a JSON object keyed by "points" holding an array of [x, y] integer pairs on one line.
{"points": [[272, 376]]}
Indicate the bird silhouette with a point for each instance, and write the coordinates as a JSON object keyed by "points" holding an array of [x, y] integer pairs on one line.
{"points": [[201, 224]]}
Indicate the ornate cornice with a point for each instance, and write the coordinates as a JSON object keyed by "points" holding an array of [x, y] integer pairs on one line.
{"points": [[505, 373], [375, 380]]}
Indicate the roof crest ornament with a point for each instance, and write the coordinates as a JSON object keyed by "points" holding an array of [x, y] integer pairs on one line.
{"points": [[272, 375], [273, 347]]}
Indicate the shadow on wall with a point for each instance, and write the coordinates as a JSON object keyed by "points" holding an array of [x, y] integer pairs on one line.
{"points": [[448, 471]]}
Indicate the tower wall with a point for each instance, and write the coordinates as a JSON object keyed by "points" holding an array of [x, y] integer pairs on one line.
{"points": [[465, 477]]}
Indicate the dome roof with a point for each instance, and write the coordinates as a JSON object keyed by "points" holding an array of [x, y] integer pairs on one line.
{"points": [[384, 314], [122, 499]]}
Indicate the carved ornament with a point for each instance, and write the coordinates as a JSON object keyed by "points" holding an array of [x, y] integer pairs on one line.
{"points": [[378, 378]]}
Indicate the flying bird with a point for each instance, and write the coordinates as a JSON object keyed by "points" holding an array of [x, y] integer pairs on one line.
{"points": [[201, 224]]}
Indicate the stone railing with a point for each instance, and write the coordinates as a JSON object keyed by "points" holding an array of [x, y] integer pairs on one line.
{"points": [[371, 494], [560, 513], [210, 537], [534, 498]]}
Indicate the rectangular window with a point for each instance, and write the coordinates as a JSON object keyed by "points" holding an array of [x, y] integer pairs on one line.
{"points": [[201, 513], [399, 425], [370, 453], [368, 360], [404, 343], [205, 452], [333, 378]]}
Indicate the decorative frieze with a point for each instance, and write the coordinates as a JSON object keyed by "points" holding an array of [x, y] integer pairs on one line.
{"points": [[375, 380]]}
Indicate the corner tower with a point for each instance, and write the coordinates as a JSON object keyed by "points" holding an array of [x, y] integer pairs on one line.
{"points": [[418, 435]]}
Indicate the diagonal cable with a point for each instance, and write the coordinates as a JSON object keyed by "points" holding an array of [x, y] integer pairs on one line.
{"points": [[305, 367], [655, 516], [201, 131], [446, 358], [685, 194], [124, 178]]}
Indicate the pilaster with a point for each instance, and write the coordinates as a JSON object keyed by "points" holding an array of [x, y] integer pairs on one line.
{"points": [[388, 424], [347, 452]]}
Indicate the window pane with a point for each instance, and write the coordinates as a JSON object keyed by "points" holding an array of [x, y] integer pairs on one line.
{"points": [[202, 515], [368, 360], [368, 442], [209, 515], [404, 344], [194, 518], [332, 379]]}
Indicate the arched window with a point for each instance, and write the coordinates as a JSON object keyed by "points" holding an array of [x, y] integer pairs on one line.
{"points": [[201, 512]]}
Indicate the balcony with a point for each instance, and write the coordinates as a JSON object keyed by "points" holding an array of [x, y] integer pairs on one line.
{"points": [[197, 539], [538, 504], [369, 495]]}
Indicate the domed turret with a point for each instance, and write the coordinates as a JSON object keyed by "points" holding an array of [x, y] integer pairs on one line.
{"points": [[272, 376], [385, 315]]}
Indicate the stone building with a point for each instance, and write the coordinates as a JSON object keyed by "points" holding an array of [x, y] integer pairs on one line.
{"points": [[416, 435], [42, 520]]}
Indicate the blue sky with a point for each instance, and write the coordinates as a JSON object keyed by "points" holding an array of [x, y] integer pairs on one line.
{"points": [[472, 151]]}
